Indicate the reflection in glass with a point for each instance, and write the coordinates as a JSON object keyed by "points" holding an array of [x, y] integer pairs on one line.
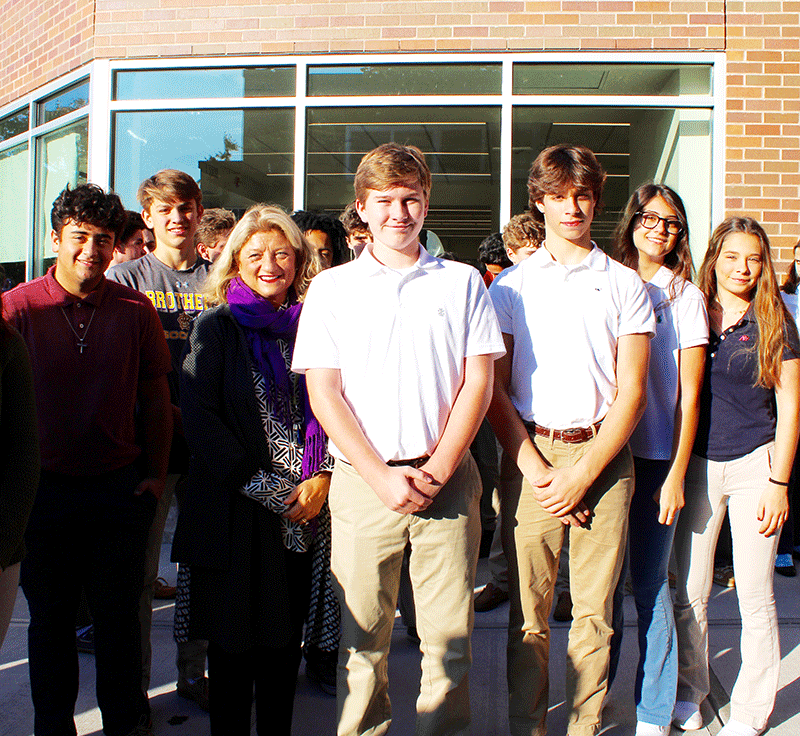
{"points": [[634, 145], [63, 102], [61, 159], [13, 215], [14, 124], [404, 79], [170, 84], [238, 157], [612, 79], [462, 147]]}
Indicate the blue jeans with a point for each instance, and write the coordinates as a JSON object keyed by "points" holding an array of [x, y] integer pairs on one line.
{"points": [[649, 546]]}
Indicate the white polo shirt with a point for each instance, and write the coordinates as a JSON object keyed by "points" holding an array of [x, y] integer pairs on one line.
{"points": [[681, 322], [399, 339], [565, 321]]}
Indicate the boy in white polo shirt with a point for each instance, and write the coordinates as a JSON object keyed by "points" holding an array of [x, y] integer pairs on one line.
{"points": [[398, 350], [568, 393]]}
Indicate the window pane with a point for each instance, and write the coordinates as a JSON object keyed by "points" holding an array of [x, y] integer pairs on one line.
{"points": [[612, 79], [462, 147], [404, 79], [61, 160], [13, 216], [634, 145], [238, 157], [14, 124], [169, 84], [64, 102]]}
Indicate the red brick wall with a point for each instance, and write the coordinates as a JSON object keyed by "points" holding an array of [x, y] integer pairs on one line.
{"points": [[42, 39], [144, 28], [763, 130]]}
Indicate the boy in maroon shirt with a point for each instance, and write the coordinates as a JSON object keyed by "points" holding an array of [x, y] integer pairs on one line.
{"points": [[100, 364]]}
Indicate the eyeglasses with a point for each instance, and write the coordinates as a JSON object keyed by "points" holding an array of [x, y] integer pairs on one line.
{"points": [[651, 220]]}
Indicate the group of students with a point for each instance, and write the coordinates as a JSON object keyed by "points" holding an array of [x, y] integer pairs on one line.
{"points": [[343, 402]]}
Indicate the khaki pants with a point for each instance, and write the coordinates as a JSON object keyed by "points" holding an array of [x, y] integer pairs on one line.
{"points": [[532, 539], [711, 489], [367, 551]]}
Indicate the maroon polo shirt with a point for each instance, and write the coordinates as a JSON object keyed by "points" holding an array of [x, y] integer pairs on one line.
{"points": [[86, 398]]}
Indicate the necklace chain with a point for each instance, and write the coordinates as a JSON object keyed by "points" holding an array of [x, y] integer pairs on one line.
{"points": [[81, 343]]}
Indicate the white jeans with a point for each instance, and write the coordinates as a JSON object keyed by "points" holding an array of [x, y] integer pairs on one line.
{"points": [[711, 488]]}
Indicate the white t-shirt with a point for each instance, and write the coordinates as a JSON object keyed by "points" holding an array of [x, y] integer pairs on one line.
{"points": [[681, 322], [565, 321], [400, 339], [792, 304]]}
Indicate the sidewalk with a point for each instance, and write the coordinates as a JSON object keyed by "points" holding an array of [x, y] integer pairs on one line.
{"points": [[315, 712]]}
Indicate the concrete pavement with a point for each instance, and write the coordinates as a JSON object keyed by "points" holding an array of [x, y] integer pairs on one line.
{"points": [[315, 712]]}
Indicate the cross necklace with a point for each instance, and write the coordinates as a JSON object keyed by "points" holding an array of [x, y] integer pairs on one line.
{"points": [[81, 343]]}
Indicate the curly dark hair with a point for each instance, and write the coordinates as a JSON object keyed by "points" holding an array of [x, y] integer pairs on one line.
{"points": [[133, 224], [329, 225], [88, 203], [492, 250]]}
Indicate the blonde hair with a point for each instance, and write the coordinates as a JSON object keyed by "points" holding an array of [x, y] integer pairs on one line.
{"points": [[521, 230], [259, 218], [770, 313]]}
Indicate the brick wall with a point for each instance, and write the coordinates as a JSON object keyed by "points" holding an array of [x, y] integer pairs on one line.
{"points": [[763, 130], [46, 38], [42, 39], [145, 28]]}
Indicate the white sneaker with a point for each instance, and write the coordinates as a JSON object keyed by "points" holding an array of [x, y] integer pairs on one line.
{"points": [[650, 729], [687, 716], [737, 728]]}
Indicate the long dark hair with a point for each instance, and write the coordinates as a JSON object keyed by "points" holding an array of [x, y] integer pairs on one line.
{"points": [[679, 259], [792, 277]]}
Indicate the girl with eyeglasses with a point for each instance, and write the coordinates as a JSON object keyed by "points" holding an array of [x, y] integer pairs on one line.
{"points": [[653, 238], [741, 461]]}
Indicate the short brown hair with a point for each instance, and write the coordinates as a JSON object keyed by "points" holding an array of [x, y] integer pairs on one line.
{"points": [[392, 165], [214, 222], [562, 167], [522, 230], [169, 185], [352, 221]]}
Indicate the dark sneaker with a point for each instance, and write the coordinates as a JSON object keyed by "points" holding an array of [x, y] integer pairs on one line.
{"points": [[490, 598], [563, 609], [84, 639], [145, 727], [321, 669], [196, 690]]}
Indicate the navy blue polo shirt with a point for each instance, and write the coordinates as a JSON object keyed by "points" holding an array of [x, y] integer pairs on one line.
{"points": [[736, 416]]}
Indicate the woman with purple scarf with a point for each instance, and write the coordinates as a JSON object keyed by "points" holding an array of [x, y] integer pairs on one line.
{"points": [[251, 525]]}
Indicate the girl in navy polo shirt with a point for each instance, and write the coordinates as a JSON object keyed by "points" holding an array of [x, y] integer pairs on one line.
{"points": [[741, 462], [653, 238]]}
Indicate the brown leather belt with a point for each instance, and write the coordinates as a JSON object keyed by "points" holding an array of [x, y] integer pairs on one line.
{"points": [[416, 462], [572, 436]]}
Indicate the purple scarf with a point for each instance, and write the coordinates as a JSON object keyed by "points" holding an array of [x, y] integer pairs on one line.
{"points": [[263, 325]]}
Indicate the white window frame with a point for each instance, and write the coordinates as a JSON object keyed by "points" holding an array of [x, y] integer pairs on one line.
{"points": [[101, 107]]}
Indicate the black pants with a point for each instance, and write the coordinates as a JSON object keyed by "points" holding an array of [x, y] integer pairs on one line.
{"points": [[90, 531], [272, 670]]}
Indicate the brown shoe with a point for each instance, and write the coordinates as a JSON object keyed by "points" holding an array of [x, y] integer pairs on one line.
{"points": [[723, 576], [163, 590], [490, 598], [563, 609], [197, 691]]}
